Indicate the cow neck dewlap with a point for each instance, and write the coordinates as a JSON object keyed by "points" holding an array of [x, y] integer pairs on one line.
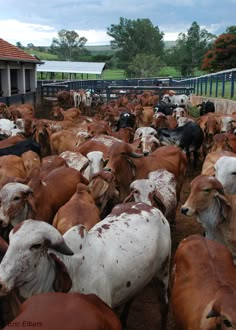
{"points": [[210, 219], [41, 283]]}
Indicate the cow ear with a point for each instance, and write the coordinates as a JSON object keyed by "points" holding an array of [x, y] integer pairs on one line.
{"points": [[225, 206], [159, 202], [62, 281], [31, 202], [129, 198]]}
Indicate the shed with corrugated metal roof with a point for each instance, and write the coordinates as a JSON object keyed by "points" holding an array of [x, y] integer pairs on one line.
{"points": [[69, 67]]}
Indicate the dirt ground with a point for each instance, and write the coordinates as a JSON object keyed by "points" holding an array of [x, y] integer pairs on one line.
{"points": [[144, 313]]}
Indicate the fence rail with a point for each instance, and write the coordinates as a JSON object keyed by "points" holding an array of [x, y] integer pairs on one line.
{"points": [[220, 84]]}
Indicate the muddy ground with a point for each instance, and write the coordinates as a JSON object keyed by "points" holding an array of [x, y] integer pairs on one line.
{"points": [[144, 313]]}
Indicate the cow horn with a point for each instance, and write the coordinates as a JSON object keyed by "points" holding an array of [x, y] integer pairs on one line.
{"points": [[212, 313], [61, 247]]}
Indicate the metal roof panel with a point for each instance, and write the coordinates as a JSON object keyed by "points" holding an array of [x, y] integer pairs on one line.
{"points": [[71, 67]]}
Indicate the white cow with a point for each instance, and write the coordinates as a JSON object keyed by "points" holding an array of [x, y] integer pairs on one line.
{"points": [[177, 99], [114, 260], [225, 172], [95, 165], [158, 190], [11, 128], [76, 98], [75, 159], [148, 139], [88, 166]]}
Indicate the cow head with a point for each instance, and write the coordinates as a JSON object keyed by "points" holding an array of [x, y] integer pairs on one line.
{"points": [[27, 264], [205, 192], [17, 203]]}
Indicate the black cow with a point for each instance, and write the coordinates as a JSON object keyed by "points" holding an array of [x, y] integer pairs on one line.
{"points": [[19, 148], [188, 137], [206, 107], [126, 119], [166, 108]]}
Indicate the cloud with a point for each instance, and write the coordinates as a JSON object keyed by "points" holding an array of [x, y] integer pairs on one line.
{"points": [[14, 31]]}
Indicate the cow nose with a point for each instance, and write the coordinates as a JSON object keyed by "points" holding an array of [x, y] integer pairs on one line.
{"points": [[2, 223], [4, 290], [184, 210], [107, 169]]}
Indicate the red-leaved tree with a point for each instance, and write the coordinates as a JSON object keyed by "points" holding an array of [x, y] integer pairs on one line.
{"points": [[222, 55]]}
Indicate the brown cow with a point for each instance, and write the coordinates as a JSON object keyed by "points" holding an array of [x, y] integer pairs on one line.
{"points": [[103, 189], [11, 166], [211, 158], [204, 285], [41, 198], [57, 310], [128, 166], [80, 209], [223, 141], [144, 116], [215, 210], [31, 161]]}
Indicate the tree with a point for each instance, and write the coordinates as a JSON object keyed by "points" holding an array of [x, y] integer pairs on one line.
{"points": [[69, 45], [133, 37], [19, 45], [190, 48], [30, 45], [222, 55], [145, 66]]}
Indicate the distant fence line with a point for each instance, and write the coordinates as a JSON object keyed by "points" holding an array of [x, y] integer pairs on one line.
{"points": [[220, 84]]}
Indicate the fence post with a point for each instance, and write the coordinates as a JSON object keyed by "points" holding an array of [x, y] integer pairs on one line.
{"points": [[223, 85], [206, 83], [210, 86], [217, 85], [201, 81], [198, 86], [232, 84]]}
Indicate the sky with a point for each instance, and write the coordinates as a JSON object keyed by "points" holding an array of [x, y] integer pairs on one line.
{"points": [[38, 22]]}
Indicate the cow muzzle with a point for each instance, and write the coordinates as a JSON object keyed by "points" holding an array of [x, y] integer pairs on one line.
{"points": [[4, 289], [187, 211]]}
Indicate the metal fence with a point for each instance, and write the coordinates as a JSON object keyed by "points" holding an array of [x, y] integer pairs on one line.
{"points": [[220, 84], [30, 97]]}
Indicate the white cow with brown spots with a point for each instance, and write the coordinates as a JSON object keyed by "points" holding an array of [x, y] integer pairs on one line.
{"points": [[116, 259], [158, 190]]}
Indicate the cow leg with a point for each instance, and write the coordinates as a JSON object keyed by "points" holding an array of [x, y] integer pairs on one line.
{"points": [[125, 313], [163, 292]]}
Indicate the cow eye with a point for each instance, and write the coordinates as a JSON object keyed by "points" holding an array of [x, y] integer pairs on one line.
{"points": [[227, 323], [35, 246], [207, 189], [16, 198]]}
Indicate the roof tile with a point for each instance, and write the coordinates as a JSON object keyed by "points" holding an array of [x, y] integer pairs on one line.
{"points": [[11, 52]]}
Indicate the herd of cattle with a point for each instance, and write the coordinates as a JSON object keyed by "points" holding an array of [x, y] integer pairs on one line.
{"points": [[88, 207]]}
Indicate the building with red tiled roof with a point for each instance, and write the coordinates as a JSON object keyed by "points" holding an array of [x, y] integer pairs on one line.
{"points": [[9, 52], [17, 71]]}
